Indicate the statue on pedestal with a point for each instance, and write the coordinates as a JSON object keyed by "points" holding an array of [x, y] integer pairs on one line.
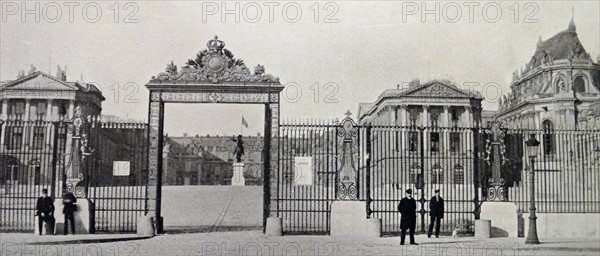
{"points": [[239, 149]]}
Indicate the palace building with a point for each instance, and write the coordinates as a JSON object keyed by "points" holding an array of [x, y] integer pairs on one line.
{"points": [[208, 160], [432, 120], [556, 89], [31, 106]]}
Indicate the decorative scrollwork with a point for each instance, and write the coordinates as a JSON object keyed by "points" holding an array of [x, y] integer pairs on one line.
{"points": [[352, 193], [342, 192], [216, 65]]}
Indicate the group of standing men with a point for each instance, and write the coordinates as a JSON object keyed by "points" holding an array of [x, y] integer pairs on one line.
{"points": [[408, 207], [45, 211]]}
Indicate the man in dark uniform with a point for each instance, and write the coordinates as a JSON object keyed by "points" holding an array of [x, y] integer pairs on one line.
{"points": [[45, 211], [436, 211], [407, 208], [69, 207]]}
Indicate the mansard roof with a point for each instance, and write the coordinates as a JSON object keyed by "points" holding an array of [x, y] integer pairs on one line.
{"points": [[561, 46]]}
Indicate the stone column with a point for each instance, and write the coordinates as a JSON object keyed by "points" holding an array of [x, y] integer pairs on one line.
{"points": [[468, 117], [445, 131], [425, 123], [4, 114], [27, 109], [4, 117], [26, 129], [403, 123], [71, 109], [393, 111], [49, 116]]}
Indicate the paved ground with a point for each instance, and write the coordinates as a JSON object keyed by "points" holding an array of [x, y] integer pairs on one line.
{"points": [[255, 243], [206, 208]]}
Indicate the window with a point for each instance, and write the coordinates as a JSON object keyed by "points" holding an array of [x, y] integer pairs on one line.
{"points": [[454, 142], [579, 84], [40, 110], [14, 137], [18, 110], [38, 137], [413, 141], [435, 141], [437, 174], [62, 109], [459, 174], [412, 175], [62, 138], [454, 117], [13, 169], [548, 137]]}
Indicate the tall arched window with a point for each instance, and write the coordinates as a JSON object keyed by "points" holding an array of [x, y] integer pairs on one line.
{"points": [[579, 84], [548, 137]]}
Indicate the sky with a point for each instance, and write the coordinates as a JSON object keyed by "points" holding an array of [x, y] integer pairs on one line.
{"points": [[329, 55]]}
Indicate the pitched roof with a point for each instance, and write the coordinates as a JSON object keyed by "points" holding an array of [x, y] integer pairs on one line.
{"points": [[59, 86], [559, 47], [432, 89]]}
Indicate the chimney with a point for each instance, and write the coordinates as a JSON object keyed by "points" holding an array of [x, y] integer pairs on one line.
{"points": [[61, 74], [258, 134], [185, 134], [414, 82]]}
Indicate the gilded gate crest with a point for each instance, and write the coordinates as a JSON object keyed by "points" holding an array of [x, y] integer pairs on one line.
{"points": [[216, 65]]}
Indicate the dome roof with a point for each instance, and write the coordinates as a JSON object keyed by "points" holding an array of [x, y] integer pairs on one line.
{"points": [[563, 45]]}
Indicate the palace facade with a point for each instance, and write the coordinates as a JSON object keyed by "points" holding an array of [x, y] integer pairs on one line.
{"points": [[432, 120], [558, 89], [31, 107], [208, 160]]}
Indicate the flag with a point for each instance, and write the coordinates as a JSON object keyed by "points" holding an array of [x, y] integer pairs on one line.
{"points": [[244, 123]]}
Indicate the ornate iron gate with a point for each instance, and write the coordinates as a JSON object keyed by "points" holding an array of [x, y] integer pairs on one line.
{"points": [[32, 158], [423, 159], [117, 174], [319, 163]]}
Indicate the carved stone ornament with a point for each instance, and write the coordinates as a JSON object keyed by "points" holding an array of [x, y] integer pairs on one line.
{"points": [[216, 65]]}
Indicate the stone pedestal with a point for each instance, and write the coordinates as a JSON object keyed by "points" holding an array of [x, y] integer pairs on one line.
{"points": [[145, 226], [274, 226], [348, 219], [483, 228], [503, 216], [238, 175]]}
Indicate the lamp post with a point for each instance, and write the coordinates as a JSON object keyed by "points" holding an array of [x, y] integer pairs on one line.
{"points": [[532, 149]]}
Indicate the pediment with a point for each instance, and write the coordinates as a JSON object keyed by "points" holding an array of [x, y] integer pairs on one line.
{"points": [[437, 90], [38, 81]]}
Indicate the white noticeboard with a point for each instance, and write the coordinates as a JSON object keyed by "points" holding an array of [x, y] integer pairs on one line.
{"points": [[303, 171], [120, 168]]}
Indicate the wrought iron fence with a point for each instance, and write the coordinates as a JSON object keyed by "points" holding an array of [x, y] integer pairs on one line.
{"points": [[117, 171], [32, 158], [423, 159], [567, 171], [456, 160]]}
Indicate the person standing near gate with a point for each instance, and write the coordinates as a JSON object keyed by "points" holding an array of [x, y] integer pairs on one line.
{"points": [[69, 208], [436, 212], [407, 208], [45, 211]]}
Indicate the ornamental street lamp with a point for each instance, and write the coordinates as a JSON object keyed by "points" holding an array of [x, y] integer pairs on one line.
{"points": [[532, 149]]}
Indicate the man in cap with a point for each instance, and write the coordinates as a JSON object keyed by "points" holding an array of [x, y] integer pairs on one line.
{"points": [[436, 212], [407, 208], [45, 211]]}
